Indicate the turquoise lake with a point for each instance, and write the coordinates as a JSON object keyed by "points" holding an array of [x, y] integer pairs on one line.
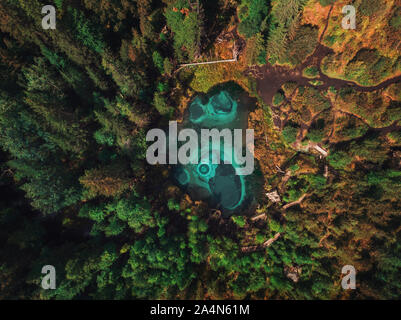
{"points": [[224, 107]]}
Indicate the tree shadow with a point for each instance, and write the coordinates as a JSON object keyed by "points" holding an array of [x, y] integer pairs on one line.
{"points": [[216, 20]]}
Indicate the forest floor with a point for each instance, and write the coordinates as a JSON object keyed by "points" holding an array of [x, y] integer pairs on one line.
{"points": [[270, 78]]}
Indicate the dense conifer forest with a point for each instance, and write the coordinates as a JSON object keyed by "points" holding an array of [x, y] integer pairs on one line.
{"points": [[77, 192]]}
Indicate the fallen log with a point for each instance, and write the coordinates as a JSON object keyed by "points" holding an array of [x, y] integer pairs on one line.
{"points": [[260, 216], [269, 242], [291, 204], [265, 244]]}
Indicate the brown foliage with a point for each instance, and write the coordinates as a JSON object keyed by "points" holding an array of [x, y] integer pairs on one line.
{"points": [[106, 181]]}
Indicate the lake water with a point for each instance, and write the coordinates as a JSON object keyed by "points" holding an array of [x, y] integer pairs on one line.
{"points": [[224, 106]]}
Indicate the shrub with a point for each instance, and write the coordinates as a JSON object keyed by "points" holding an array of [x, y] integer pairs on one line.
{"points": [[369, 7], [162, 87], [239, 220], [315, 135], [395, 20], [310, 72], [158, 61], [339, 159], [290, 133], [326, 2], [368, 67], [160, 104], [395, 137], [103, 137], [316, 82], [278, 98], [168, 66], [289, 87]]}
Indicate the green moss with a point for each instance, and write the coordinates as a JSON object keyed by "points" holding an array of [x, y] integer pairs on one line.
{"points": [[395, 20], [289, 87], [395, 136], [259, 238], [278, 98], [369, 7], [289, 133], [158, 61], [339, 159], [326, 2], [330, 40], [315, 135], [239, 220], [310, 72], [332, 90], [316, 82], [368, 67]]}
